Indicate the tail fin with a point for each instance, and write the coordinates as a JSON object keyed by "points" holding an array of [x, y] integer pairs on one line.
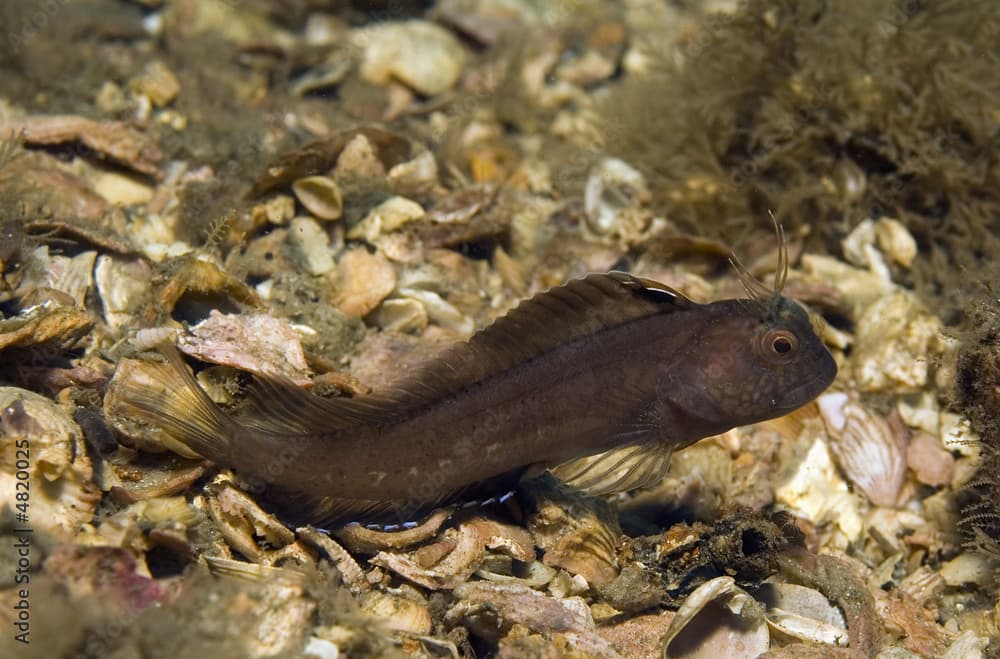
{"points": [[166, 395]]}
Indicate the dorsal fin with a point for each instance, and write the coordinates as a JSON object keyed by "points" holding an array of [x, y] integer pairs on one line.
{"points": [[576, 309], [278, 406], [579, 308]]}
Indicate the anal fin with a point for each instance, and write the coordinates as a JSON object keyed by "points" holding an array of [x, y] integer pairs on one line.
{"points": [[333, 512]]}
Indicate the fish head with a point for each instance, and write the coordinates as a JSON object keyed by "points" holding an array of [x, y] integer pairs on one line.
{"points": [[753, 360]]}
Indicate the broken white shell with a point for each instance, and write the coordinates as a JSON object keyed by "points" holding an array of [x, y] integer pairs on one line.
{"points": [[72, 276], [121, 285], [968, 567], [311, 242], [895, 340], [896, 241], [43, 456], [416, 176], [401, 315], [931, 464], [402, 614], [420, 54], [387, 217], [860, 288], [859, 248], [258, 343], [812, 487], [441, 311], [451, 571], [497, 567], [616, 201]]}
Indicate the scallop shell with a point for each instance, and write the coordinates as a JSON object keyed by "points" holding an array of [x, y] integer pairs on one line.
{"points": [[320, 195], [871, 454]]}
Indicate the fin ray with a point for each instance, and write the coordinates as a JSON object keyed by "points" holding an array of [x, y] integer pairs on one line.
{"points": [[279, 406], [166, 395], [579, 308], [619, 470]]}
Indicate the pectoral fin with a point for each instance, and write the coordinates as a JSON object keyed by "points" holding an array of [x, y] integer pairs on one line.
{"points": [[619, 470]]}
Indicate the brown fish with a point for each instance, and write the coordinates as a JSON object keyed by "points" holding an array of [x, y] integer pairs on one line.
{"points": [[599, 379]]}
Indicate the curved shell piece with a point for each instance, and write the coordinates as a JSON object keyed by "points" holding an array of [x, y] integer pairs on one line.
{"points": [[803, 613], [499, 568], [320, 195], [465, 552], [719, 619], [399, 613]]}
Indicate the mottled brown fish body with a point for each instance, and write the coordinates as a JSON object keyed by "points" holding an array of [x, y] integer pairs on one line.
{"points": [[610, 364], [578, 399]]}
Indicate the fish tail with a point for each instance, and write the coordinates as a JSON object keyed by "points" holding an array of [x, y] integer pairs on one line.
{"points": [[167, 396]]}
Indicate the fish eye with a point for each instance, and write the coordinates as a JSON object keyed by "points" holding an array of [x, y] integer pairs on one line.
{"points": [[779, 344]]}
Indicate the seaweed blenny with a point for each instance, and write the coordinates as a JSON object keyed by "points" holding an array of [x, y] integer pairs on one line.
{"points": [[599, 380]]}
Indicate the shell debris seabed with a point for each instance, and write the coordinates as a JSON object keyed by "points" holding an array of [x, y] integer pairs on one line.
{"points": [[332, 197]]}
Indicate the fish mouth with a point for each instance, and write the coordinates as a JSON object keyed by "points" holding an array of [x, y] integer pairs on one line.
{"points": [[807, 391]]}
